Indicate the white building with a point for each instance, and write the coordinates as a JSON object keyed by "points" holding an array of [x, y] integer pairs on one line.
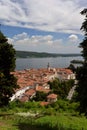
{"points": [[19, 93]]}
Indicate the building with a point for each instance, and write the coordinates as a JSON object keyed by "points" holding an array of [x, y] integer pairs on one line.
{"points": [[37, 80], [52, 98]]}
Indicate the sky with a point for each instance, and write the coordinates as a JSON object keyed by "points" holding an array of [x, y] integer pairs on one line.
{"points": [[51, 26]]}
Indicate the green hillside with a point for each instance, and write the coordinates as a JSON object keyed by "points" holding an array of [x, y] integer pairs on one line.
{"points": [[26, 54]]}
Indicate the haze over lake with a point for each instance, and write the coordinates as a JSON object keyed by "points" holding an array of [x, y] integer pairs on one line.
{"points": [[58, 62]]}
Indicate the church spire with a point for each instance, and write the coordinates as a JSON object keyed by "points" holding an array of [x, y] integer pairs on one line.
{"points": [[48, 66]]}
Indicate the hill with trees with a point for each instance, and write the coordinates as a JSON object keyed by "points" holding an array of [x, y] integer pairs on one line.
{"points": [[26, 54]]}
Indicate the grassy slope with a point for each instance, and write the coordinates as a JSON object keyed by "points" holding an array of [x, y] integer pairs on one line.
{"points": [[60, 116], [65, 122]]}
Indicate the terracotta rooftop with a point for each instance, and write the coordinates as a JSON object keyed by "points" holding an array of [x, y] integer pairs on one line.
{"points": [[24, 98], [30, 92], [30, 77], [52, 96], [42, 89], [44, 103]]}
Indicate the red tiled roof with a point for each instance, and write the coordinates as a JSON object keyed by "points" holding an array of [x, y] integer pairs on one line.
{"points": [[24, 99], [30, 92], [68, 71], [31, 77], [44, 103], [42, 89], [52, 96]]}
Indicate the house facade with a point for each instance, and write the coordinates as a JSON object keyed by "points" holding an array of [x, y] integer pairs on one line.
{"points": [[52, 98]]}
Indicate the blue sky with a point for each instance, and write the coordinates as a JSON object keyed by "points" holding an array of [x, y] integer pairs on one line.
{"points": [[43, 25]]}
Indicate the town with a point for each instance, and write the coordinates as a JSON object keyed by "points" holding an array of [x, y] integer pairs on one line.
{"points": [[31, 81]]}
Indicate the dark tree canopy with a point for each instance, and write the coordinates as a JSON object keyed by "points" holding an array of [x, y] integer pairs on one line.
{"points": [[7, 56], [82, 71], [8, 82], [3, 39], [61, 88]]}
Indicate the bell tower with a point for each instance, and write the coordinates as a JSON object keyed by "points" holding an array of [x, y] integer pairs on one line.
{"points": [[48, 66]]}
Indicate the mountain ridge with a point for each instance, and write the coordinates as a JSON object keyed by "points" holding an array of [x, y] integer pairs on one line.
{"points": [[31, 54]]}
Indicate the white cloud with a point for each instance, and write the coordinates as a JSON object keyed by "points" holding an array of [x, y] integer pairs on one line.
{"points": [[20, 36], [10, 41], [73, 38], [45, 43], [47, 15]]}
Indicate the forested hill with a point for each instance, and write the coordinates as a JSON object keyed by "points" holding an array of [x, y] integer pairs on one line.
{"points": [[26, 54]]}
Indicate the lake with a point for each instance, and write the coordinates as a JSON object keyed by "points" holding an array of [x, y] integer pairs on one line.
{"points": [[58, 62]]}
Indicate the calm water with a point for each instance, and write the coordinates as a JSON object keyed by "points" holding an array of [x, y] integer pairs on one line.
{"points": [[58, 62]]}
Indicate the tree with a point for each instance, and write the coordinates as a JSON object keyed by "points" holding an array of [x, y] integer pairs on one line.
{"points": [[40, 96], [61, 88], [8, 83], [82, 71], [7, 56], [72, 67]]}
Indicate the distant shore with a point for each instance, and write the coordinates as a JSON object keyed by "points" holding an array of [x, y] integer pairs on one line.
{"points": [[77, 61], [28, 54]]}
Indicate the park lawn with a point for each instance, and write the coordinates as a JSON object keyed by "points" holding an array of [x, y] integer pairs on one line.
{"points": [[16, 123], [59, 116], [50, 122], [64, 121], [7, 125]]}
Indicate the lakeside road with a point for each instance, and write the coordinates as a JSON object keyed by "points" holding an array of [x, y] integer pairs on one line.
{"points": [[72, 90]]}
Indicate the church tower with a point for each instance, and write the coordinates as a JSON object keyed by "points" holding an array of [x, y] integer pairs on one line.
{"points": [[48, 66]]}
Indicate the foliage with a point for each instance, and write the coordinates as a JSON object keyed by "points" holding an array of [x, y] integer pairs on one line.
{"points": [[61, 87], [60, 115], [17, 106], [63, 122], [7, 56], [58, 122], [7, 86], [40, 96], [51, 109], [3, 39], [25, 54], [8, 83], [72, 67], [82, 71], [63, 106]]}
